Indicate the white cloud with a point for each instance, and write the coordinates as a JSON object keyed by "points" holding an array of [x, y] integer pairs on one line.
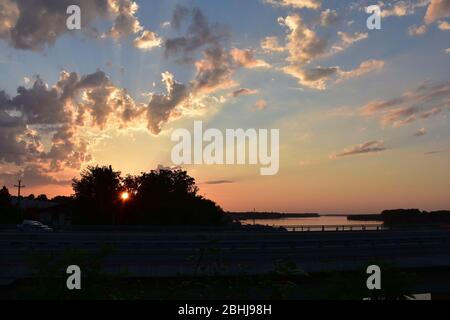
{"points": [[147, 40], [437, 9], [348, 39], [401, 8], [35, 25], [303, 44], [244, 58], [313, 78], [444, 25], [417, 30], [328, 17], [364, 68], [271, 44]]}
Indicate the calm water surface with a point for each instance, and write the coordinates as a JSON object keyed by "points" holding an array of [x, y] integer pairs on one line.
{"points": [[317, 221]]}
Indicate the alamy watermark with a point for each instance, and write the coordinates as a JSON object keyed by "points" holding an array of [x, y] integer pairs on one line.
{"points": [[73, 21], [234, 147], [374, 20], [74, 280], [374, 280]]}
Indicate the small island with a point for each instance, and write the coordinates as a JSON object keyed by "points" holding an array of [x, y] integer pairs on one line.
{"points": [[406, 217]]}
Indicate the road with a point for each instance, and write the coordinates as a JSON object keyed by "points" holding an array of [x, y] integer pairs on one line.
{"points": [[150, 254]]}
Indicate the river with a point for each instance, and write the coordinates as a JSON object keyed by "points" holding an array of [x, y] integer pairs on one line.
{"points": [[330, 221]]}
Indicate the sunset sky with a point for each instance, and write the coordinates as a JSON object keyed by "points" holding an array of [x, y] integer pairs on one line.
{"points": [[363, 114]]}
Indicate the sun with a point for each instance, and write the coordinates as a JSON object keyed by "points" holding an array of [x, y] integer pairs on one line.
{"points": [[125, 196]]}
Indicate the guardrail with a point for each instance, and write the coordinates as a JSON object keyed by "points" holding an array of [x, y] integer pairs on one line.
{"points": [[249, 228], [245, 227]]}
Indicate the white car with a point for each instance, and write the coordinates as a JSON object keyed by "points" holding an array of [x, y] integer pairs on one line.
{"points": [[35, 226]]}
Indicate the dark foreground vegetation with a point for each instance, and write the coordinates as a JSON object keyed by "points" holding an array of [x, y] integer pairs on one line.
{"points": [[285, 282], [103, 196], [334, 286], [9, 214]]}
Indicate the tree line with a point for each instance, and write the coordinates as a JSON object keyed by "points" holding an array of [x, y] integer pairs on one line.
{"points": [[158, 197]]}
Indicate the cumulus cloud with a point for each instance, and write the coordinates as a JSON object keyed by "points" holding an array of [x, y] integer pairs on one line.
{"points": [[43, 127], [271, 44], [348, 39], [125, 23], [299, 4], [319, 77], [364, 148], [305, 46], [245, 58], [303, 43], [437, 9], [314, 78], [147, 40], [401, 8], [364, 68], [417, 30], [9, 14], [425, 101], [56, 114], [444, 25], [99, 99], [162, 106], [199, 33], [213, 72], [34, 175], [34, 25], [16, 145], [328, 17]]}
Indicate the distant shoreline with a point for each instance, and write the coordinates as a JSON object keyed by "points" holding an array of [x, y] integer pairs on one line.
{"points": [[269, 215], [388, 217], [400, 217]]}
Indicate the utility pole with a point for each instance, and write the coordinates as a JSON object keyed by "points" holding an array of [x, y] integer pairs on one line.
{"points": [[19, 187]]}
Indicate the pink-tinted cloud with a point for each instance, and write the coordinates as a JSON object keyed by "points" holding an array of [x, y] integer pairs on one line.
{"points": [[364, 148]]}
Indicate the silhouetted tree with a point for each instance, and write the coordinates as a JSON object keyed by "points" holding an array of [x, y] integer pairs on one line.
{"points": [[5, 198], [31, 197], [170, 197], [159, 197], [96, 194], [8, 213], [131, 184], [62, 199], [42, 197]]}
